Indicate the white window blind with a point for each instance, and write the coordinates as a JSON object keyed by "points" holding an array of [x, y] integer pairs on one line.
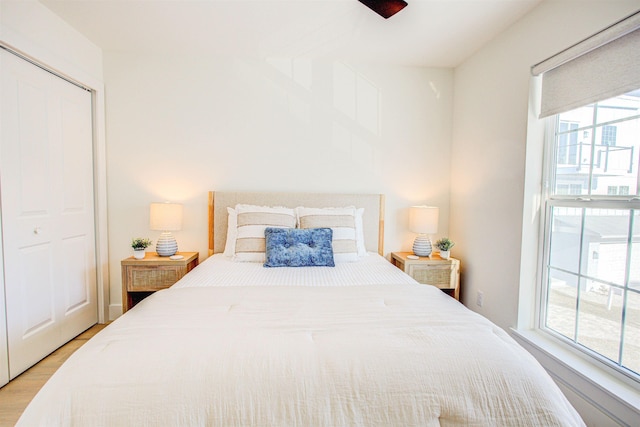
{"points": [[605, 65]]}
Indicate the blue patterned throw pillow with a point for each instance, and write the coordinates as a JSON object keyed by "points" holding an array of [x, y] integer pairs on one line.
{"points": [[292, 247]]}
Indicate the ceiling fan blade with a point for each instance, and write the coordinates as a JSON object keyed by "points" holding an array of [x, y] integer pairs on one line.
{"points": [[385, 8]]}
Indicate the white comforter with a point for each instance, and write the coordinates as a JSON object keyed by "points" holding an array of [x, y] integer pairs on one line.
{"points": [[371, 355]]}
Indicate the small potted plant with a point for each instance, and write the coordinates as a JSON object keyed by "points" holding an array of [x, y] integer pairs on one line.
{"points": [[139, 244], [445, 244]]}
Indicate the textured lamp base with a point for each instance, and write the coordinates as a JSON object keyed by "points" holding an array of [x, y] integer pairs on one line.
{"points": [[166, 245], [422, 245]]}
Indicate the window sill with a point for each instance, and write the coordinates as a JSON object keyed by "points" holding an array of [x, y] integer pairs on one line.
{"points": [[613, 397]]}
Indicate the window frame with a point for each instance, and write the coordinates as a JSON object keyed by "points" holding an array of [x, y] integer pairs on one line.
{"points": [[548, 201]]}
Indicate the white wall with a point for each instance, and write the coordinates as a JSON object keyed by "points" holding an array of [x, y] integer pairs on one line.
{"points": [[35, 30], [179, 126], [489, 143]]}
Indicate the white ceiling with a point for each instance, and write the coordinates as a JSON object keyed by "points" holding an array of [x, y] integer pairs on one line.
{"points": [[436, 33]]}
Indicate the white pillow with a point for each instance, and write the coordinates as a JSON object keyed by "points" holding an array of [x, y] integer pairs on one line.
{"points": [[251, 221], [362, 249], [343, 223], [232, 233], [230, 244]]}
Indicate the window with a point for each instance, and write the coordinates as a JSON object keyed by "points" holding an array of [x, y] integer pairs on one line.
{"points": [[591, 276]]}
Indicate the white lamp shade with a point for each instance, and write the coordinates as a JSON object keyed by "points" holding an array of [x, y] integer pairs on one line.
{"points": [[165, 216], [423, 219]]}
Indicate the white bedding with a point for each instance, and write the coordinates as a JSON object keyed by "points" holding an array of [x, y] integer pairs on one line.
{"points": [[386, 354]]}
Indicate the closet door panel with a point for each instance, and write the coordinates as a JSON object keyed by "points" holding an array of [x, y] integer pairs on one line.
{"points": [[33, 174], [77, 183], [37, 296], [28, 210], [47, 210], [77, 237], [79, 305]]}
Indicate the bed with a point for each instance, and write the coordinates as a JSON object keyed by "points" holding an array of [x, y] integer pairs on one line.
{"points": [[234, 343]]}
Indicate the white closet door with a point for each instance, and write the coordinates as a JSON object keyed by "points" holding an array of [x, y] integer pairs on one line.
{"points": [[46, 172]]}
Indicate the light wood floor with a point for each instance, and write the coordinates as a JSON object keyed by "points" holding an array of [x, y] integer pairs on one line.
{"points": [[16, 395]]}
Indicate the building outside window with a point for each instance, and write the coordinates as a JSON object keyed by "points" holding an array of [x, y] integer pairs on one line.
{"points": [[591, 276], [609, 135], [568, 143]]}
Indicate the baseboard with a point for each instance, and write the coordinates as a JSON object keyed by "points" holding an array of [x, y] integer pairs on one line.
{"points": [[115, 311]]}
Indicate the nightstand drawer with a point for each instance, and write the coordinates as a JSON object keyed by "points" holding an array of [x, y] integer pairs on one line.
{"points": [[442, 276], [153, 278], [434, 270]]}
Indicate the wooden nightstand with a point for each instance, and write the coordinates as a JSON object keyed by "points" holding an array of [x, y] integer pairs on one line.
{"points": [[443, 273], [142, 277]]}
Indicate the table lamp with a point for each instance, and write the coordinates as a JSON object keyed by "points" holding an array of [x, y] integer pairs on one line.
{"points": [[166, 217], [424, 221]]}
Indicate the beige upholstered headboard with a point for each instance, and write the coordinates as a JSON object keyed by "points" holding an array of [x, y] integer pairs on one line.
{"points": [[373, 218]]}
